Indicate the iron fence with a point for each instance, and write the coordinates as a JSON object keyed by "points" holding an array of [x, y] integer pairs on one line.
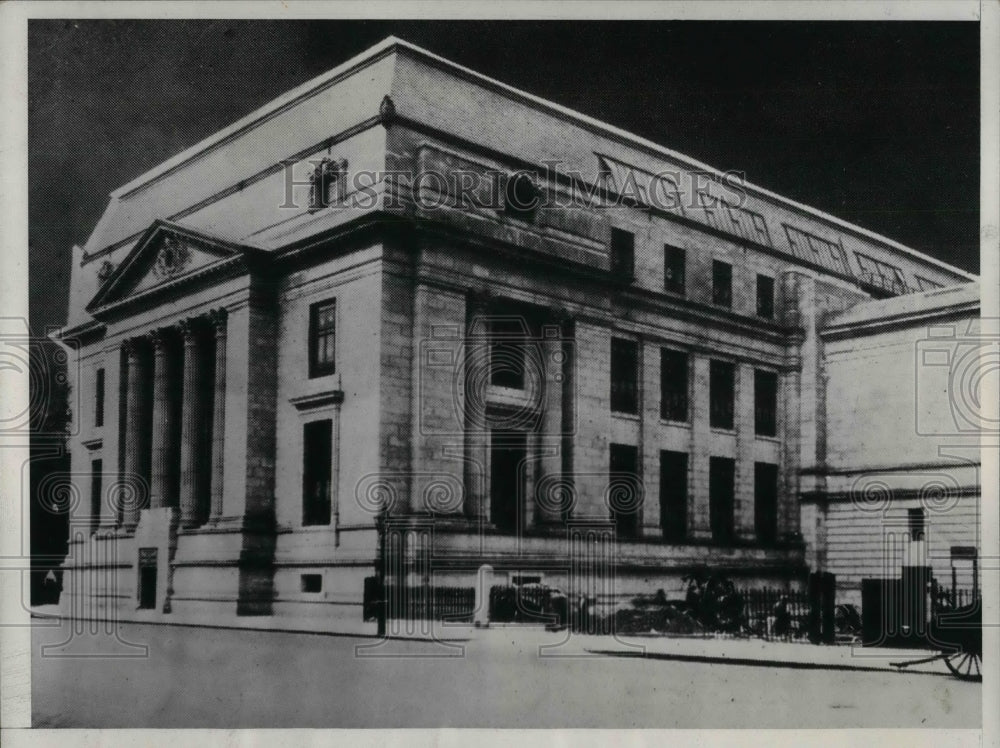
{"points": [[429, 603]]}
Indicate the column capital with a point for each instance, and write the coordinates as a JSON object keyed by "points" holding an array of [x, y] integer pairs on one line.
{"points": [[479, 301], [132, 346], [159, 337], [190, 327], [560, 315], [217, 318]]}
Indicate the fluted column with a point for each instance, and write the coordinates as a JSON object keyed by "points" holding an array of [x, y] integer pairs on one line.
{"points": [[192, 412], [218, 319], [161, 488], [133, 468]]}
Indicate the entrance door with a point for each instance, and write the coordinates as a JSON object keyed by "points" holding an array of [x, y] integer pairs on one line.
{"points": [[507, 461], [721, 490], [147, 578], [625, 486], [673, 495]]}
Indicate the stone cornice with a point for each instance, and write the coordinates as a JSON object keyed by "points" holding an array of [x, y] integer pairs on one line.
{"points": [[318, 400], [898, 321]]}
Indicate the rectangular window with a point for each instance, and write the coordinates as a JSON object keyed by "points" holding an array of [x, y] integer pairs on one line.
{"points": [[765, 398], [916, 522], [311, 583], [323, 338], [623, 254], [881, 274], [96, 478], [765, 501], [722, 284], [316, 474], [673, 495], [721, 386], [99, 399], [673, 385], [673, 269], [624, 376], [815, 249], [721, 490], [507, 353], [765, 296], [624, 494]]}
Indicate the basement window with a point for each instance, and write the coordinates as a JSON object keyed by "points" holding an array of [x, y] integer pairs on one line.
{"points": [[312, 582]]}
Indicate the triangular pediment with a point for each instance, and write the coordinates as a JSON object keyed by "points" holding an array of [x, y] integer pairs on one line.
{"points": [[166, 254]]}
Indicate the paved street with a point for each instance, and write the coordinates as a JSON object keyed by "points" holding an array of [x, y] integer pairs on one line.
{"points": [[200, 677]]}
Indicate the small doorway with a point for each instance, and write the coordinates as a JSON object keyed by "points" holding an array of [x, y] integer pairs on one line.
{"points": [[147, 578], [508, 451]]}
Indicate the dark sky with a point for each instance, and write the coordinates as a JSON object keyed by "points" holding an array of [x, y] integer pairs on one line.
{"points": [[877, 123]]}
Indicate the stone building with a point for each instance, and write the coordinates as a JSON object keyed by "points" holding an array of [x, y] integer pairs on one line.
{"points": [[409, 293]]}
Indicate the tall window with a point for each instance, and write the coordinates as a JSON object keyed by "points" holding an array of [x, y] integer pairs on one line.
{"points": [[624, 489], [673, 385], [721, 491], [765, 501], [96, 468], [722, 284], [673, 495], [317, 455], [721, 386], [624, 376], [623, 254], [99, 399], [765, 296], [673, 269], [323, 338], [507, 353], [765, 396]]}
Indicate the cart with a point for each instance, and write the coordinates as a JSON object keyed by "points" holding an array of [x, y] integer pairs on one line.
{"points": [[958, 635]]}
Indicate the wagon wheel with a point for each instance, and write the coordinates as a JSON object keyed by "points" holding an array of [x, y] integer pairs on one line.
{"points": [[965, 665]]}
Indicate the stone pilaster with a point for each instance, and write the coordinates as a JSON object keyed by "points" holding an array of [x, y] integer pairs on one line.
{"points": [[649, 447], [476, 354], [192, 412], [745, 418], [550, 492], [699, 524]]}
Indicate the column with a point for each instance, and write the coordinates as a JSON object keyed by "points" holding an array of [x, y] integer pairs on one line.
{"points": [[133, 496], [191, 415], [113, 409], [218, 320], [161, 488]]}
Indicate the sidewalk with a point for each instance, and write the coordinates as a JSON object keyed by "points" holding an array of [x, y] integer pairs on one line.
{"points": [[754, 652]]}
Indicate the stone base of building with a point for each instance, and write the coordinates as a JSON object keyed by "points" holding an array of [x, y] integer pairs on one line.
{"points": [[313, 579]]}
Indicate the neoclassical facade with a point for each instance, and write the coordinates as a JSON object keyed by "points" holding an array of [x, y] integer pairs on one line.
{"points": [[411, 298]]}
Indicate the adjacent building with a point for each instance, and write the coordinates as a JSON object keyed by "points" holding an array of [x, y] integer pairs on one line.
{"points": [[407, 305]]}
